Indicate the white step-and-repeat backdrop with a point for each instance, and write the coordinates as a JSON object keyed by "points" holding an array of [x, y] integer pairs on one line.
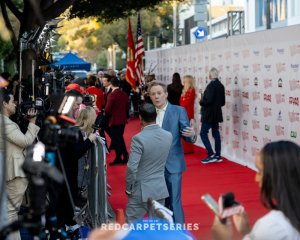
{"points": [[261, 75]]}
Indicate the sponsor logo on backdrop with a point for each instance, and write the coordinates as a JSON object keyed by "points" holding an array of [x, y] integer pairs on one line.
{"points": [[246, 82], [295, 67], [245, 135], [235, 132], [228, 67], [228, 93], [255, 139], [295, 49], [266, 140], [268, 67], [255, 81], [236, 119], [228, 105], [256, 96], [228, 118], [267, 128], [268, 52], [228, 81], [235, 80], [280, 51], [256, 68], [235, 108], [279, 116], [267, 83], [280, 67], [244, 149], [294, 84], [220, 56], [236, 54], [293, 117], [254, 151], [267, 112], [206, 80], [245, 108], [235, 144], [279, 98], [246, 53], [293, 134], [245, 95], [255, 111], [268, 97], [236, 67], [256, 53], [245, 122], [280, 83], [294, 101], [236, 93], [279, 130], [245, 67], [255, 124]]}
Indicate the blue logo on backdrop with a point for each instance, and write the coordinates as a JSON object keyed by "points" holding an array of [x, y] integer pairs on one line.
{"points": [[200, 33]]}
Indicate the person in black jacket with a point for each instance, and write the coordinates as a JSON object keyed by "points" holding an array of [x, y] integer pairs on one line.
{"points": [[211, 114]]}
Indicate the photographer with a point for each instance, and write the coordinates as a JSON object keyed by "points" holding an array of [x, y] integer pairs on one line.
{"points": [[16, 142]]}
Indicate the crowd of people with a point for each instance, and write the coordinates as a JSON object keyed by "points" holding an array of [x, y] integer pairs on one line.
{"points": [[167, 117]]}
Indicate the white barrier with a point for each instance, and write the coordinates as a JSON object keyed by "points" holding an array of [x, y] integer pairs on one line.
{"points": [[260, 72]]}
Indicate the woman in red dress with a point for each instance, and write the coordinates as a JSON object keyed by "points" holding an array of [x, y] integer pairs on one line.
{"points": [[187, 101]]}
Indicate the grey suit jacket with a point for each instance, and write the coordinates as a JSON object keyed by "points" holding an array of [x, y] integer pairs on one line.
{"points": [[146, 165]]}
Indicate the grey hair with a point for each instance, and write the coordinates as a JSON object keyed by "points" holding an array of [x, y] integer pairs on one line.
{"points": [[214, 73]]}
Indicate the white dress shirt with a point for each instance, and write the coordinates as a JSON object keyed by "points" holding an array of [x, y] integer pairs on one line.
{"points": [[160, 115]]}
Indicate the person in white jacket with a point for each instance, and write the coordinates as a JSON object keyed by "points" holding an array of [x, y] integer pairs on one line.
{"points": [[16, 142]]}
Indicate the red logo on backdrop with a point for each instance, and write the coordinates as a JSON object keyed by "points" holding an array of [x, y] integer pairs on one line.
{"points": [[294, 101], [279, 130], [235, 132], [294, 117], [256, 68], [236, 119], [267, 83], [266, 140], [245, 107], [256, 96], [246, 53], [254, 151], [267, 112], [295, 49], [228, 105], [245, 95], [245, 135], [235, 145], [280, 67], [294, 85], [246, 82], [228, 81], [236, 93], [255, 139], [255, 124], [268, 97], [279, 98], [236, 67], [268, 52], [227, 55], [227, 92], [245, 68]]}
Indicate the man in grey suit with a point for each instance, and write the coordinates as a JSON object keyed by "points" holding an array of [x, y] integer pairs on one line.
{"points": [[173, 119], [146, 165]]}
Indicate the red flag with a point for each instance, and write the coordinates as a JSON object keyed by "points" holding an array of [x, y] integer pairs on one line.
{"points": [[139, 51], [130, 68]]}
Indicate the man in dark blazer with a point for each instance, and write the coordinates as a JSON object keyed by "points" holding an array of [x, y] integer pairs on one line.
{"points": [[116, 110], [211, 114], [173, 119], [145, 169]]}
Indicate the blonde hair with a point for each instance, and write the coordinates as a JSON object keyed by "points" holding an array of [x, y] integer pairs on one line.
{"points": [[188, 82], [86, 118]]}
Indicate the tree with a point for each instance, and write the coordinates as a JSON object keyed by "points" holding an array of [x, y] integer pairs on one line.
{"points": [[33, 15]]}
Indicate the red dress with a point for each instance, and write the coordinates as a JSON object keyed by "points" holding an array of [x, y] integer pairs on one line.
{"points": [[187, 101]]}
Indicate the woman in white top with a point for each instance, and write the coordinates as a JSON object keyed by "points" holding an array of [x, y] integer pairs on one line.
{"points": [[278, 176]]}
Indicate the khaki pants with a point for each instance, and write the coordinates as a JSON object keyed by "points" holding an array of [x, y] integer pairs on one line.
{"points": [[15, 192]]}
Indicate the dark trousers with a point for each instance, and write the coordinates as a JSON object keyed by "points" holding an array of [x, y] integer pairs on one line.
{"points": [[216, 135], [116, 132]]}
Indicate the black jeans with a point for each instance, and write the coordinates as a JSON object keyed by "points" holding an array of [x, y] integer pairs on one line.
{"points": [[216, 135], [117, 138]]}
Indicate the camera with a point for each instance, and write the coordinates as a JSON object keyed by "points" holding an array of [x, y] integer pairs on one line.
{"points": [[89, 100]]}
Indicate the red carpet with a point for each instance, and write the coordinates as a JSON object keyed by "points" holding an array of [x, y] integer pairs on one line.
{"points": [[198, 179]]}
